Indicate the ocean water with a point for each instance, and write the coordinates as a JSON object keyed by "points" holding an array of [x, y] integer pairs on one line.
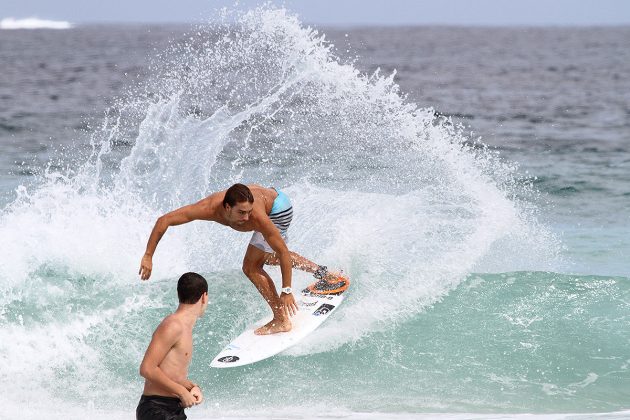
{"points": [[473, 182]]}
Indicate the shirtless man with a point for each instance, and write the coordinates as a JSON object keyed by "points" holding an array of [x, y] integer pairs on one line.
{"points": [[167, 389], [266, 211]]}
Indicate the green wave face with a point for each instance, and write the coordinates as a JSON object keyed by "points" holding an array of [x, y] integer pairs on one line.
{"points": [[514, 342]]}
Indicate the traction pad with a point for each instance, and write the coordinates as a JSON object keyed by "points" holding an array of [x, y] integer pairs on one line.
{"points": [[323, 287]]}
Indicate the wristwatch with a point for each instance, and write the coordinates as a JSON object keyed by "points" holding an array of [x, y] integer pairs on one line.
{"points": [[286, 290]]}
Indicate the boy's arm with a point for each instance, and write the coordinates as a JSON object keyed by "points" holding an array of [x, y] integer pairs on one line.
{"points": [[196, 393], [188, 384]]}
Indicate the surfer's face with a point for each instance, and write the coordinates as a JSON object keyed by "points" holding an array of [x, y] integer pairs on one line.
{"points": [[239, 214]]}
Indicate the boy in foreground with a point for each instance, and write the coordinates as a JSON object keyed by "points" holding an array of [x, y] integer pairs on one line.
{"points": [[167, 389]]}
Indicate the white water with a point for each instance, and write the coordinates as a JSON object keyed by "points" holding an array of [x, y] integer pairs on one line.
{"points": [[380, 187], [33, 23]]}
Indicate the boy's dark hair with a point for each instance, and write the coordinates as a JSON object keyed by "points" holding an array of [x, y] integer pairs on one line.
{"points": [[190, 287], [237, 193]]}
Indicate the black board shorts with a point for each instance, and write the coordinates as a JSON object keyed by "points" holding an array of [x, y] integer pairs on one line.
{"points": [[155, 407]]}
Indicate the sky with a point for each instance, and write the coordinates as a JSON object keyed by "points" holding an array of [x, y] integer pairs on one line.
{"points": [[336, 12]]}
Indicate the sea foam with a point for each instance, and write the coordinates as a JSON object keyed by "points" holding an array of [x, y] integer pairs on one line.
{"points": [[381, 187], [33, 23]]}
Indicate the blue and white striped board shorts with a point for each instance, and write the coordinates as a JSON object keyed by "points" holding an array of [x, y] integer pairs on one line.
{"points": [[281, 216]]}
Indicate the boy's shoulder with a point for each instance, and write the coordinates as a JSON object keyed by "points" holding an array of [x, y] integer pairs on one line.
{"points": [[171, 325]]}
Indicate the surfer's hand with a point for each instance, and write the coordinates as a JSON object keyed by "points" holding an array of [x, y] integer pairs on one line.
{"points": [[196, 392], [187, 399], [146, 265], [288, 302]]}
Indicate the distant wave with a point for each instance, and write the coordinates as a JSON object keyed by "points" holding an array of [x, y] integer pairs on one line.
{"points": [[33, 23]]}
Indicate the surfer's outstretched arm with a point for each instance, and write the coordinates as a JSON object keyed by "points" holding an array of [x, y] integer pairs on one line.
{"points": [[176, 217]]}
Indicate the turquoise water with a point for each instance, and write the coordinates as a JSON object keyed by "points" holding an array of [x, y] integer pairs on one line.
{"points": [[498, 343], [462, 299], [516, 342]]}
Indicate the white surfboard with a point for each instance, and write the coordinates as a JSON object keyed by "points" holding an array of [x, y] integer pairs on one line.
{"points": [[250, 348]]}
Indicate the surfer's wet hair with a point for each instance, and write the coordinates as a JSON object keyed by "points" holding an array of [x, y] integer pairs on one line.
{"points": [[237, 193], [190, 288]]}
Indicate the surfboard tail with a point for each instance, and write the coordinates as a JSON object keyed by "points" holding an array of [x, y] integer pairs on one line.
{"points": [[335, 286]]}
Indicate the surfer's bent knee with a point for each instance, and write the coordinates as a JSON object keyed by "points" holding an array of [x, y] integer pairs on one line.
{"points": [[247, 269], [252, 270]]}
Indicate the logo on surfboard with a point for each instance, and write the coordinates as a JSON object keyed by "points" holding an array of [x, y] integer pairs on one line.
{"points": [[228, 359], [305, 303], [324, 309]]}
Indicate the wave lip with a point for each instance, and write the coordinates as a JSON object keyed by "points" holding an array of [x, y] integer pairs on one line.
{"points": [[33, 23]]}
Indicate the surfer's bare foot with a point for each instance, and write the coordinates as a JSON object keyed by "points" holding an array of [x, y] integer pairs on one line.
{"points": [[274, 326]]}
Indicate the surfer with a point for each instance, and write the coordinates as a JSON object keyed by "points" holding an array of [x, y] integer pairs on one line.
{"points": [[167, 389], [268, 212]]}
